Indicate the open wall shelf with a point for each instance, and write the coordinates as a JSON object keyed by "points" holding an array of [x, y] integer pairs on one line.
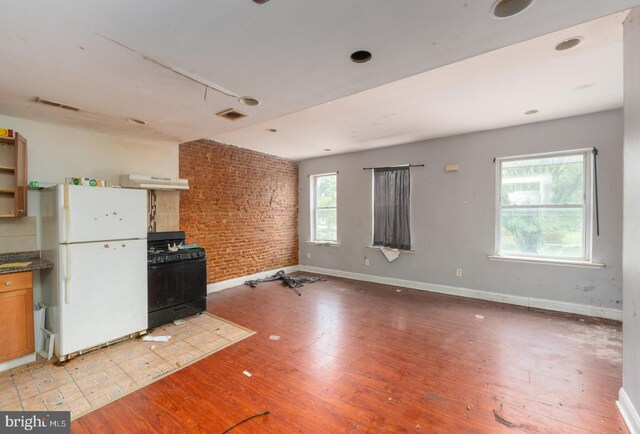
{"points": [[13, 176]]}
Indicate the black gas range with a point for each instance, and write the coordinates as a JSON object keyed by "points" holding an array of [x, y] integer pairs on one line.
{"points": [[177, 278]]}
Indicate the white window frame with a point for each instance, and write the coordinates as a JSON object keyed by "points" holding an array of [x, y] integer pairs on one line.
{"points": [[314, 208], [587, 208]]}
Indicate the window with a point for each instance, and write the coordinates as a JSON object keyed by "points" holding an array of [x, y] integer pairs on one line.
{"points": [[544, 206], [324, 225], [391, 207]]}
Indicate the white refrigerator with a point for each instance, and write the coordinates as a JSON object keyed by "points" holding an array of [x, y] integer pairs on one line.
{"points": [[97, 291]]}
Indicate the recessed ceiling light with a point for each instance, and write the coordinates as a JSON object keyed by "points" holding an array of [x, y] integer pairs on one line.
{"points": [[247, 100], [531, 112], [327, 150], [569, 43], [271, 130], [136, 121], [360, 56], [260, 2], [509, 8]]}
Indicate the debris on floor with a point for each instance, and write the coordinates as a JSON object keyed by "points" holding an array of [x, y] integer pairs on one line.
{"points": [[274, 337], [504, 421], [480, 316], [398, 290], [149, 338], [247, 373], [179, 321], [293, 282]]}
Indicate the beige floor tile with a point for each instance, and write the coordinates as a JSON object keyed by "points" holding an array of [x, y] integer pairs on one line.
{"points": [[34, 404], [214, 345], [99, 377], [131, 352], [53, 399], [61, 376], [77, 372], [9, 401], [141, 363], [12, 406], [100, 380], [23, 378], [69, 392], [45, 384], [6, 382], [184, 359], [174, 349], [201, 338], [186, 330], [28, 390], [79, 406], [22, 369], [105, 395]]}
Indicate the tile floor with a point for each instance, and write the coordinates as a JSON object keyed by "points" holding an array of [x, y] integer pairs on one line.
{"points": [[102, 376]]}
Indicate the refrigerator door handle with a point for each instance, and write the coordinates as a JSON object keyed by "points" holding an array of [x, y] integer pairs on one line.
{"points": [[67, 214], [67, 278]]}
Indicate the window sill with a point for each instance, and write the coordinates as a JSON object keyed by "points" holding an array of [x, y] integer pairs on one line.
{"points": [[400, 250], [560, 262], [324, 243]]}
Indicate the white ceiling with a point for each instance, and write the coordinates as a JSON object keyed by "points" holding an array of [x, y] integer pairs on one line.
{"points": [[107, 57]]}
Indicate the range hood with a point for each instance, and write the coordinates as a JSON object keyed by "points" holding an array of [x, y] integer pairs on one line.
{"points": [[153, 182]]}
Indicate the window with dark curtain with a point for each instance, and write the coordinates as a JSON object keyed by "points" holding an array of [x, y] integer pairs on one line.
{"points": [[391, 206]]}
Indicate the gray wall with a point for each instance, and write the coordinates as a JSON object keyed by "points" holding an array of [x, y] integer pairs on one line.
{"points": [[631, 321], [453, 213]]}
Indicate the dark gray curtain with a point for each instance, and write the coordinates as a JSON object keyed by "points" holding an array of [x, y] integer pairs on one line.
{"points": [[391, 192]]}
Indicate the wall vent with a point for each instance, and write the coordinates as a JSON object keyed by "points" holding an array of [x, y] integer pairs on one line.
{"points": [[231, 114], [57, 104]]}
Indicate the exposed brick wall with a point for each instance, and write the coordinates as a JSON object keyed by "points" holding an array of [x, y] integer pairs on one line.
{"points": [[241, 206]]}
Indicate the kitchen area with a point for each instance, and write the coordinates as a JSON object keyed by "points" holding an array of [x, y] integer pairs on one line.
{"points": [[88, 262]]}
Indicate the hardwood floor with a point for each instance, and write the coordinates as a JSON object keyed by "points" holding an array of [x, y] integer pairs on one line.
{"points": [[362, 357]]}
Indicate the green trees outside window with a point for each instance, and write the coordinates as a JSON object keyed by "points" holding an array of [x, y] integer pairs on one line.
{"points": [[543, 207], [324, 213]]}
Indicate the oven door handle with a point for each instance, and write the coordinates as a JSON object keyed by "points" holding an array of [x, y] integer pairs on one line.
{"points": [[185, 261]]}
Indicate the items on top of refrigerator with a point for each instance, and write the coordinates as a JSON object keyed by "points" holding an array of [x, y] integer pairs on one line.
{"points": [[5, 132], [91, 182]]}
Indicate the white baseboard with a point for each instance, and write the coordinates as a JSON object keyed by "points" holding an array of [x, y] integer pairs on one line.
{"points": [[230, 283], [17, 362], [541, 303], [628, 412]]}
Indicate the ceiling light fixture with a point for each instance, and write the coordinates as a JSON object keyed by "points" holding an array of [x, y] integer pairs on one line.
{"points": [[569, 43], [509, 8], [327, 150], [248, 101], [360, 56], [531, 112], [136, 121], [260, 2], [271, 130]]}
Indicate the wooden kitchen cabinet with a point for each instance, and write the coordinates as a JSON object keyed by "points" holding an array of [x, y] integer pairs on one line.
{"points": [[13, 176], [16, 315]]}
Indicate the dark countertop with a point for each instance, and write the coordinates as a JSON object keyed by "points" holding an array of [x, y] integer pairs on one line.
{"points": [[37, 263]]}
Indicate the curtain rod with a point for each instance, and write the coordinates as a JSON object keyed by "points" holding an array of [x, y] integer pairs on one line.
{"points": [[393, 167]]}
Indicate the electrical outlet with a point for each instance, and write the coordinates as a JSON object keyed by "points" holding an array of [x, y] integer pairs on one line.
{"points": [[459, 272], [366, 261], [308, 255]]}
